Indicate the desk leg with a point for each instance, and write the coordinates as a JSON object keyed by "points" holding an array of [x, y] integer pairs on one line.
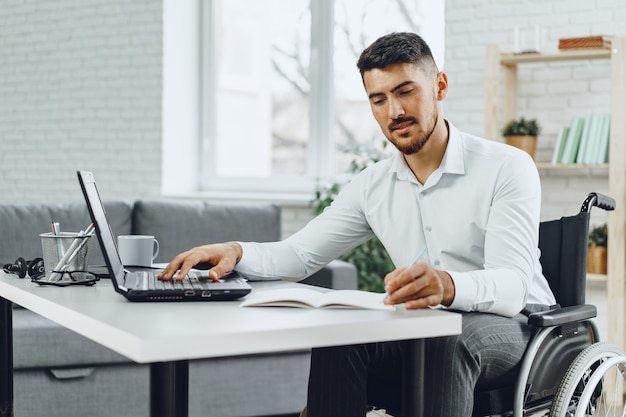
{"points": [[6, 358], [169, 389], [413, 379]]}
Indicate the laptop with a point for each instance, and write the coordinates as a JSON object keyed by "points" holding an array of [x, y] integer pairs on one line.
{"points": [[143, 284]]}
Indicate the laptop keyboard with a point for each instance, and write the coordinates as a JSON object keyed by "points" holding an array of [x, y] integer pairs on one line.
{"points": [[147, 280]]}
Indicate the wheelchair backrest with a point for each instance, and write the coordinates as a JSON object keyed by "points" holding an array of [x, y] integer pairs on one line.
{"points": [[563, 245]]}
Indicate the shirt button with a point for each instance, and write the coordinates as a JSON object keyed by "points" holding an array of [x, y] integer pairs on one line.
{"points": [[428, 228], [437, 263]]}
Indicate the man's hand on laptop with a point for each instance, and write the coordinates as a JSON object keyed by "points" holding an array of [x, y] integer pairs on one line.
{"points": [[223, 257]]}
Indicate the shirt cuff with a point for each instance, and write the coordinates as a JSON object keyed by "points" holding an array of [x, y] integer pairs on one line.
{"points": [[247, 256], [465, 291], [248, 265], [249, 259]]}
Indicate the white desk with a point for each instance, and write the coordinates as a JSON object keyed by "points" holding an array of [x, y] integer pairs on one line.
{"points": [[167, 335]]}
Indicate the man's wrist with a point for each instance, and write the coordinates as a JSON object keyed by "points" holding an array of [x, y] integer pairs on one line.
{"points": [[449, 290], [237, 249]]}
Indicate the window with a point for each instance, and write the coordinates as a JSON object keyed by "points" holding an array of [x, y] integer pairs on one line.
{"points": [[283, 106]]}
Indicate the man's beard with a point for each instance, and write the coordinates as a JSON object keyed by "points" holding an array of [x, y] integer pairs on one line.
{"points": [[416, 145]]}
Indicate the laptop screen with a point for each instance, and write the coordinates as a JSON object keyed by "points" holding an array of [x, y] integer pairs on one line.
{"points": [[103, 229]]}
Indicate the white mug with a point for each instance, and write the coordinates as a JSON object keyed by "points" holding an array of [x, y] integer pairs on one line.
{"points": [[137, 250]]}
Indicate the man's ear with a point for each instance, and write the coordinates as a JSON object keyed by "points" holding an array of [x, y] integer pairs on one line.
{"points": [[442, 86]]}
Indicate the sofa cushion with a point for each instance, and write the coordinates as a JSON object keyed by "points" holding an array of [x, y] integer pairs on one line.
{"points": [[21, 226], [179, 225], [118, 390]]}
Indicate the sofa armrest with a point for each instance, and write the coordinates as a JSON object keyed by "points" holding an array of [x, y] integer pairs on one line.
{"points": [[337, 275]]}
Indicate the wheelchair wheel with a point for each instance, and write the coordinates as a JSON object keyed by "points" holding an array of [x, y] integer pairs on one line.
{"points": [[581, 391]]}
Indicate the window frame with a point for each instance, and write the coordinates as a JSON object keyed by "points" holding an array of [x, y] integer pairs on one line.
{"points": [[321, 145]]}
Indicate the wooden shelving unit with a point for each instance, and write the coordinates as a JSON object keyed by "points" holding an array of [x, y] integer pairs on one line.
{"points": [[500, 64], [571, 167]]}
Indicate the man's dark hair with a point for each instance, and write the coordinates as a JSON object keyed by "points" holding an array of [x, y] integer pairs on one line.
{"points": [[397, 48]]}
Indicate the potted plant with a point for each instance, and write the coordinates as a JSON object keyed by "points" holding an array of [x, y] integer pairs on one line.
{"points": [[522, 133], [596, 251]]}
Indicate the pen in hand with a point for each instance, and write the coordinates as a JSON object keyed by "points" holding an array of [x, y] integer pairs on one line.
{"points": [[416, 260]]}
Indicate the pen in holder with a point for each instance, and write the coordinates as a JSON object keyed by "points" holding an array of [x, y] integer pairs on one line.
{"points": [[71, 257], [56, 230]]}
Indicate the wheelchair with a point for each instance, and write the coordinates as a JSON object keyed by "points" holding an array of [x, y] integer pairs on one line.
{"points": [[566, 370]]}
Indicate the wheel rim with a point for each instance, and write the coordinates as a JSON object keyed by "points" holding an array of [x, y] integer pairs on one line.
{"points": [[594, 400]]}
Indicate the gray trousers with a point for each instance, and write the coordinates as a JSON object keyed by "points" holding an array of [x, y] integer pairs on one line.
{"points": [[345, 379]]}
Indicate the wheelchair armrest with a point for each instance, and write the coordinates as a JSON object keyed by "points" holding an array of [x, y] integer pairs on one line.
{"points": [[563, 315]]}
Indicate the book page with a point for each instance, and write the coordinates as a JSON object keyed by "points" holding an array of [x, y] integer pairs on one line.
{"points": [[284, 297], [308, 298], [354, 299]]}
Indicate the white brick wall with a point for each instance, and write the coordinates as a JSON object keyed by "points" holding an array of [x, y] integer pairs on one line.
{"points": [[80, 88], [553, 93]]}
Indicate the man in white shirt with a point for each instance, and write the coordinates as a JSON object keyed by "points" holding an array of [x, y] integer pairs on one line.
{"points": [[467, 206]]}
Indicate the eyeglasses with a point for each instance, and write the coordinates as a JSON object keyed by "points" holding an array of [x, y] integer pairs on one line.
{"points": [[67, 278]]}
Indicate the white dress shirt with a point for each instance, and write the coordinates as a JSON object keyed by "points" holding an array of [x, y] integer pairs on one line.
{"points": [[477, 215]]}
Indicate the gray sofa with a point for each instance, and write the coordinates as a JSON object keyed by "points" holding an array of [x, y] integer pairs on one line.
{"points": [[58, 373]]}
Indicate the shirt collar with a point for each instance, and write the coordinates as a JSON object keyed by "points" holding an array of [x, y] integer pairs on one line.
{"points": [[452, 162]]}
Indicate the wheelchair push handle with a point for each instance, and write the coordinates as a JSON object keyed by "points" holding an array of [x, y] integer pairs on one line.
{"points": [[598, 200]]}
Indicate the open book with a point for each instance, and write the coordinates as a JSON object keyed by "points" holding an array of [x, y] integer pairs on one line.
{"points": [[307, 298]]}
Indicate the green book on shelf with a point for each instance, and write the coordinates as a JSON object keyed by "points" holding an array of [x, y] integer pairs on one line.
{"points": [[560, 144], [601, 154], [572, 142], [587, 155], [585, 139], [594, 148]]}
